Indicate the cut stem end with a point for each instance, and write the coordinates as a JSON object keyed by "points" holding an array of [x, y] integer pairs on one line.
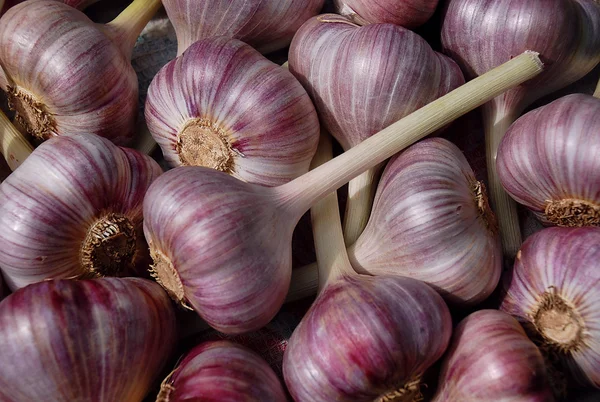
{"points": [[31, 114], [202, 143], [573, 213], [165, 274], [109, 247], [558, 323]]}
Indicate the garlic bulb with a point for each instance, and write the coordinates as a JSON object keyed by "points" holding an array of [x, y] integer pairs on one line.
{"points": [[223, 246], [66, 75], [74, 209], [491, 359], [431, 221], [101, 340], [553, 291], [407, 13], [363, 79], [364, 338], [549, 161], [222, 371], [225, 106], [481, 34], [266, 25]]}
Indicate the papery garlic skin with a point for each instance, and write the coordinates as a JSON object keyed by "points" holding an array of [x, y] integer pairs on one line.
{"points": [[549, 161], [491, 359], [102, 340], [407, 13], [74, 209], [225, 106], [554, 292], [196, 252], [365, 337], [222, 371], [431, 221], [63, 75], [266, 25]]}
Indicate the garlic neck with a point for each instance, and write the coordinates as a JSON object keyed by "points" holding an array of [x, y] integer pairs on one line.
{"points": [[202, 143], [558, 323], [30, 113], [109, 247], [571, 212]]}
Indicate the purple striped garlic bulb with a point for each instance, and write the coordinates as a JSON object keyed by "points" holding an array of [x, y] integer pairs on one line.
{"points": [[491, 359], [223, 246], [362, 79], [407, 13], [66, 75], [73, 209], [222, 371], [223, 105], [554, 291], [102, 340], [482, 34], [549, 161], [364, 338], [431, 221], [266, 25]]}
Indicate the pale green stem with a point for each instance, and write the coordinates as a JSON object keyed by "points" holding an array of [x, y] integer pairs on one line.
{"points": [[361, 191], [15, 148]]}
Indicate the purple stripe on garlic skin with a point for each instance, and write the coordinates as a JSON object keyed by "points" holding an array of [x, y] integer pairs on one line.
{"points": [[225, 106], [549, 161], [407, 13], [64, 75], [490, 359], [266, 25], [554, 292], [51, 203], [222, 371], [431, 221], [102, 340]]}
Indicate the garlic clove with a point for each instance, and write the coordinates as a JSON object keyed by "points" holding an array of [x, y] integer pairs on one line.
{"points": [[222, 371], [431, 221], [93, 340], [225, 106], [553, 291], [549, 161], [82, 217], [266, 25], [407, 13]]}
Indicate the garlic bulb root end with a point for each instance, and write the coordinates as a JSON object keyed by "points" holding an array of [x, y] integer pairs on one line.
{"points": [[558, 323], [31, 114], [483, 205], [409, 392], [165, 274], [202, 143], [109, 246], [572, 213]]}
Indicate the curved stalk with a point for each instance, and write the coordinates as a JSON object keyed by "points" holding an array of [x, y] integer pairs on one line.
{"points": [[304, 283], [15, 148], [597, 91], [497, 121], [143, 141], [361, 191]]}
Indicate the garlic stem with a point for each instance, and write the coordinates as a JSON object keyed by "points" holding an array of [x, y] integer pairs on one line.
{"points": [[597, 91], [299, 194], [13, 145], [143, 141], [127, 26], [332, 259], [304, 283], [498, 119], [361, 191]]}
